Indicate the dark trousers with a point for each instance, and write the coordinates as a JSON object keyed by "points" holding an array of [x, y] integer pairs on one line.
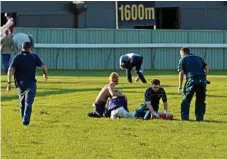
{"points": [[143, 112], [5, 61], [192, 87], [26, 97], [136, 62], [99, 109]]}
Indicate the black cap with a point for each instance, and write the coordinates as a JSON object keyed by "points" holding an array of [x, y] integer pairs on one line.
{"points": [[26, 45]]}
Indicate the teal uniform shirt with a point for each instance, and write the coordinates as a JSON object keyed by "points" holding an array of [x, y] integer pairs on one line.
{"points": [[192, 65], [194, 69]]}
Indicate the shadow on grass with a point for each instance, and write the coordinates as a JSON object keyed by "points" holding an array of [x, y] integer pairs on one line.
{"points": [[204, 121], [174, 94], [106, 73], [214, 121], [53, 92], [121, 85], [220, 96], [100, 73], [58, 91], [131, 92], [83, 73], [59, 82]]}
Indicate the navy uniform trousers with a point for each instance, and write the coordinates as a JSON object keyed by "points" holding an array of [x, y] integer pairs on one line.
{"points": [[194, 85]]}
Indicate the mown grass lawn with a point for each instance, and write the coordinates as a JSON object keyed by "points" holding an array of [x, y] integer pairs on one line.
{"points": [[60, 128]]}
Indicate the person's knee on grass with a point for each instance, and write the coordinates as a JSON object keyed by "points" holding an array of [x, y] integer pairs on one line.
{"points": [[106, 92], [152, 95], [117, 107]]}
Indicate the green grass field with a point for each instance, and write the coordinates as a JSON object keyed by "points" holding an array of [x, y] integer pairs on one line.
{"points": [[60, 128]]}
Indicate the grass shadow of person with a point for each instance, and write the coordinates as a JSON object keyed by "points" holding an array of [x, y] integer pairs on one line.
{"points": [[54, 91]]}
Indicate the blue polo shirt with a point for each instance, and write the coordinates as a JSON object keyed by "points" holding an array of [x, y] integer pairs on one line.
{"points": [[192, 66], [25, 64]]}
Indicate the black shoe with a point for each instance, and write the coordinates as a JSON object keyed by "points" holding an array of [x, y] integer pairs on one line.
{"points": [[199, 118], [26, 123], [93, 115]]}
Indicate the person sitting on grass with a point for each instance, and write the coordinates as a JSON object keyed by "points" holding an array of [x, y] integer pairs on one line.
{"points": [[106, 92], [117, 107]]}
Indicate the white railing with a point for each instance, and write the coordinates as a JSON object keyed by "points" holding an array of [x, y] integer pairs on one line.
{"points": [[154, 45]]}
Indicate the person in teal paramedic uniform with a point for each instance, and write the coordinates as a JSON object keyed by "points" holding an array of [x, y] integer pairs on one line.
{"points": [[196, 71]]}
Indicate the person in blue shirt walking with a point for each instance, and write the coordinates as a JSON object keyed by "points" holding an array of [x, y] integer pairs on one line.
{"points": [[130, 61], [23, 67], [196, 71]]}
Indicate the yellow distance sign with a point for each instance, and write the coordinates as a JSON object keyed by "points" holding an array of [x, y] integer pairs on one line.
{"points": [[135, 12]]}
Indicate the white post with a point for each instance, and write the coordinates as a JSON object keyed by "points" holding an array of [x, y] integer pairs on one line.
{"points": [[116, 14], [154, 17]]}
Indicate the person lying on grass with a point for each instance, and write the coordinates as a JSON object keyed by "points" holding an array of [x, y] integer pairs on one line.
{"points": [[117, 107], [106, 92]]}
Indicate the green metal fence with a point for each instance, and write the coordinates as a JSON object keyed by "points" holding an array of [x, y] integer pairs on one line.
{"points": [[108, 58]]}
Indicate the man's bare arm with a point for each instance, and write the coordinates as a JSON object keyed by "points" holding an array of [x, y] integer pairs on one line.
{"points": [[44, 69], [206, 69], [113, 92], [181, 78], [149, 106], [166, 107], [10, 74]]}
